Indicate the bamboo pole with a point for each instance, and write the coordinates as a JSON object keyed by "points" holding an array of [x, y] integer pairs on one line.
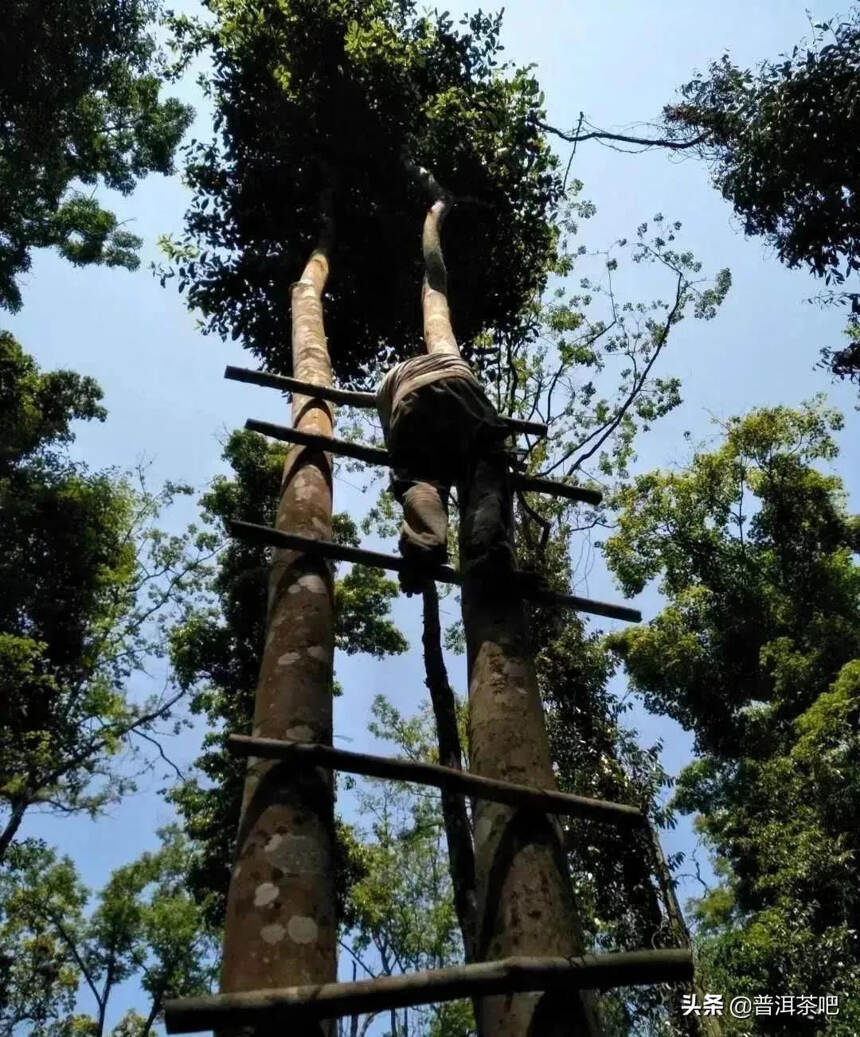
{"points": [[553, 488], [548, 801], [507, 976], [281, 924], [359, 451], [350, 398], [376, 455], [347, 397], [444, 573]]}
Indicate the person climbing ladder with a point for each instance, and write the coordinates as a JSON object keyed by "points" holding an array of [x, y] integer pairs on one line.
{"points": [[437, 421]]}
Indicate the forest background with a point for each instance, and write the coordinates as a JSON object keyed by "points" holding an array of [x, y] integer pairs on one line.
{"points": [[169, 404]]}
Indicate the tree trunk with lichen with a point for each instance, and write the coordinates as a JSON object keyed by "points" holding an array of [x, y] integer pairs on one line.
{"points": [[281, 925], [524, 898]]}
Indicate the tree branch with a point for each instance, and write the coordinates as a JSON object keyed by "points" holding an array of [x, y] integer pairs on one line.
{"points": [[622, 138], [457, 828], [161, 752], [638, 383], [70, 943]]}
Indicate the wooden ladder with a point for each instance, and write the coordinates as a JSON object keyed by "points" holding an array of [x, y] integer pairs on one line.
{"points": [[308, 1004]]}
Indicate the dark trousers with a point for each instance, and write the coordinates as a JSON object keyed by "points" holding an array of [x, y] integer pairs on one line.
{"points": [[436, 435]]}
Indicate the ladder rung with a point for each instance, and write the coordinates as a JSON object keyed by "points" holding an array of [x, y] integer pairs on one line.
{"points": [[287, 434], [349, 398], [255, 1008], [255, 533], [536, 484], [548, 801], [376, 455]]}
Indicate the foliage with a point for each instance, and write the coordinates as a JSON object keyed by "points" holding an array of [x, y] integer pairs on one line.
{"points": [[87, 584], [592, 371], [357, 94], [782, 140], [145, 925], [80, 97], [756, 653], [589, 370], [216, 649]]}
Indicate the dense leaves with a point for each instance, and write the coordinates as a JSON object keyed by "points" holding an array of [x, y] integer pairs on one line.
{"points": [[784, 140], [146, 926], [80, 104], [86, 583], [356, 94], [756, 653]]}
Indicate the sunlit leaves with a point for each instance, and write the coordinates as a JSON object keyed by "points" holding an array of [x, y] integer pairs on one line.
{"points": [[349, 89], [88, 586], [143, 923], [80, 96], [783, 143], [755, 653]]}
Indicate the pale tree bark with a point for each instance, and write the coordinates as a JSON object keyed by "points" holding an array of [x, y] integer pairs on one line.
{"points": [[438, 334], [281, 927], [524, 898]]}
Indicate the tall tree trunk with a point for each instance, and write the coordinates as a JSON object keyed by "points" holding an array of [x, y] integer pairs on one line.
{"points": [[525, 900], [524, 897], [102, 1002], [155, 1009], [438, 334], [281, 928], [11, 828]]}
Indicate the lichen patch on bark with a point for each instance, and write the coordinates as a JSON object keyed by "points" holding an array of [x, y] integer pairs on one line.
{"points": [[273, 933], [265, 894], [310, 582], [299, 733], [302, 929]]}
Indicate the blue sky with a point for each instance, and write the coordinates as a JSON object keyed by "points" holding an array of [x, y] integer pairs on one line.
{"points": [[620, 62]]}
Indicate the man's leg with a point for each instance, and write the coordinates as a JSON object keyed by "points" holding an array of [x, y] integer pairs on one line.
{"points": [[424, 533], [425, 522]]}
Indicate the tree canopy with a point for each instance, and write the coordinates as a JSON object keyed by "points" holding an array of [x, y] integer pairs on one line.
{"points": [[377, 103], [80, 104], [756, 653], [56, 956], [86, 580], [780, 140], [783, 141]]}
